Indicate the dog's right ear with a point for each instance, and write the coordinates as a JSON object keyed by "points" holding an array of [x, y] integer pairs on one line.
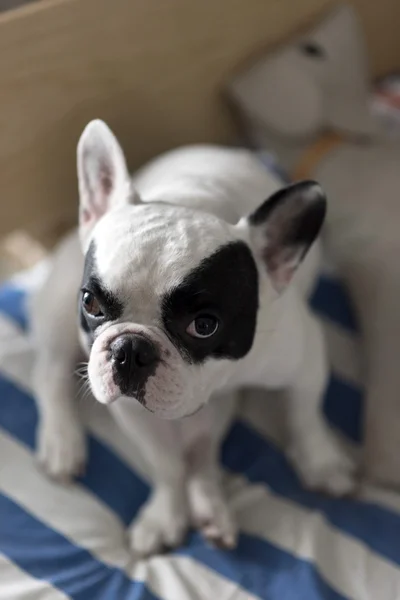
{"points": [[103, 176]]}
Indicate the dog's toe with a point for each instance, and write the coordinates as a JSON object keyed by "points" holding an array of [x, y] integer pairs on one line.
{"points": [[339, 483], [146, 538], [162, 524], [324, 467], [211, 514], [220, 533]]}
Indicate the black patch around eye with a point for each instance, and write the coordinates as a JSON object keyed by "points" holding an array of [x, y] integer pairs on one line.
{"points": [[110, 304], [226, 285], [84, 324], [313, 50]]}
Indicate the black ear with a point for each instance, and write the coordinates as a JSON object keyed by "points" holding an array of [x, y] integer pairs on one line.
{"points": [[283, 228]]}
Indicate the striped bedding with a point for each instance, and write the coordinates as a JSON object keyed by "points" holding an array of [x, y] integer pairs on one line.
{"points": [[59, 542]]}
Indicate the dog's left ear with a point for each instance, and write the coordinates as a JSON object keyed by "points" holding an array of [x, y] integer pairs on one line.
{"points": [[283, 228], [103, 176]]}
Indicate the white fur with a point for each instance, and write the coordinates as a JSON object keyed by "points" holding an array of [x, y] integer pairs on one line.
{"points": [[193, 201]]}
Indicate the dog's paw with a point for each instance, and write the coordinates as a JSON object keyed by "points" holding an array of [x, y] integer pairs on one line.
{"points": [[161, 524], [323, 464], [61, 448], [210, 513]]}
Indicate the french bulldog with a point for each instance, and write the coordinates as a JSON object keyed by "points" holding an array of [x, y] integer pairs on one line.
{"points": [[188, 289]]}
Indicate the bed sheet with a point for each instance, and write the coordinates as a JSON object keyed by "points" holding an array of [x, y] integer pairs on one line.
{"points": [[60, 542]]}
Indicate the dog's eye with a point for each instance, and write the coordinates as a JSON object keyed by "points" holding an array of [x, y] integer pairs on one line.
{"points": [[91, 305], [203, 326]]}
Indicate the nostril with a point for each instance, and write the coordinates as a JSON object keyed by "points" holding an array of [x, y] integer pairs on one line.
{"points": [[119, 355], [145, 357], [119, 352], [144, 351], [133, 352]]}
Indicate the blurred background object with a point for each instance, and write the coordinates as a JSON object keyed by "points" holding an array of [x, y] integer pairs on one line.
{"points": [[153, 70], [10, 4], [385, 103]]}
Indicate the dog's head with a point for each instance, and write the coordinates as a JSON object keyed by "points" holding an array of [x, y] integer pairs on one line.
{"points": [[170, 295]]}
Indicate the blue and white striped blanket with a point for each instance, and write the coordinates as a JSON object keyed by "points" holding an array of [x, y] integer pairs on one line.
{"points": [[69, 542]]}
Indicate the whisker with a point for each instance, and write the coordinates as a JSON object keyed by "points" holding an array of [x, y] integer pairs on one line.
{"points": [[81, 370], [84, 390]]}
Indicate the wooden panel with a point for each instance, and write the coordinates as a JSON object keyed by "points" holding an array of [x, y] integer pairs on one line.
{"points": [[152, 68]]}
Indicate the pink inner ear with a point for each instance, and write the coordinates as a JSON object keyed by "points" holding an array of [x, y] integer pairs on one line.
{"points": [[281, 265], [282, 277], [85, 216], [106, 181], [99, 197], [99, 186]]}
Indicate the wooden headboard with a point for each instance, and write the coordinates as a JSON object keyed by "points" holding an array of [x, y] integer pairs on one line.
{"points": [[153, 69]]}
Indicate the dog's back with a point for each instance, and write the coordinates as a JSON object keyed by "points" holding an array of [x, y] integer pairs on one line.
{"points": [[228, 182]]}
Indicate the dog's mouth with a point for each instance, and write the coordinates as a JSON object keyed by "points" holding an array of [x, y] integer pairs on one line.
{"points": [[137, 363], [192, 414], [154, 396]]}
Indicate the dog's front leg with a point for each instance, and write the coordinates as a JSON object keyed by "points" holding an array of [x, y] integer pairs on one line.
{"points": [[313, 449], [202, 435], [61, 440], [163, 520]]}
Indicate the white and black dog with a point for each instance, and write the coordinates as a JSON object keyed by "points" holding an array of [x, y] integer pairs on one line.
{"points": [[184, 297]]}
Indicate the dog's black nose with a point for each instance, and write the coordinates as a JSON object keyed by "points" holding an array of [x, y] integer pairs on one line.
{"points": [[134, 359], [133, 349]]}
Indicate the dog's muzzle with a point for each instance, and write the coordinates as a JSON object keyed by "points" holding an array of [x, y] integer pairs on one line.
{"points": [[134, 359]]}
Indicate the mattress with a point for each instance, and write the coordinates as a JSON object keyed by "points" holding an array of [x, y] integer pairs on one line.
{"points": [[59, 542]]}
